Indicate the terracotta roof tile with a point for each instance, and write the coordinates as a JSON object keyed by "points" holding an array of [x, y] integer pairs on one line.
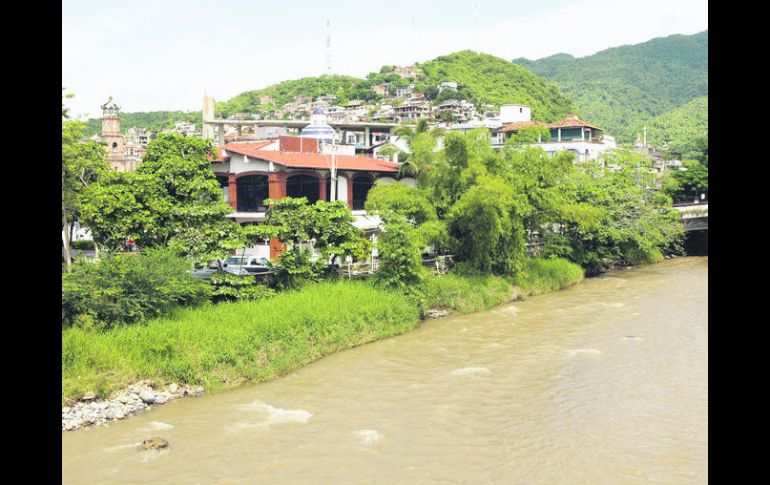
{"points": [[517, 125], [246, 148], [323, 161]]}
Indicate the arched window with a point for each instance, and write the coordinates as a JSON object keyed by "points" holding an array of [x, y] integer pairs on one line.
{"points": [[361, 187], [252, 191], [115, 144], [328, 182], [303, 186]]}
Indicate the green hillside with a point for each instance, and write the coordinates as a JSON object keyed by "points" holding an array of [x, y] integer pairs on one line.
{"points": [[154, 120], [482, 79], [495, 81], [681, 129], [619, 88]]}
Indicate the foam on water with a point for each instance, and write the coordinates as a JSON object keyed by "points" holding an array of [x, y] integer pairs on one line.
{"points": [[153, 454], [157, 426], [574, 352], [465, 371], [123, 447], [270, 415], [368, 436]]}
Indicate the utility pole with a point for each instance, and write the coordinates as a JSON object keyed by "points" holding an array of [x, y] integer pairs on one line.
{"points": [[333, 191]]}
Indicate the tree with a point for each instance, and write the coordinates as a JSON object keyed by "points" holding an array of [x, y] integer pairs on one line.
{"points": [[173, 199], [487, 228], [399, 198], [295, 223], [83, 163], [422, 142], [399, 248], [687, 183]]}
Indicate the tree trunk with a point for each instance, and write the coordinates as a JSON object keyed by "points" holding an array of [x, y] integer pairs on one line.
{"points": [[66, 241]]}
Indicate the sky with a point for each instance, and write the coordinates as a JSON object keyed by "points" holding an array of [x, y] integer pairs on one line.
{"points": [[163, 55]]}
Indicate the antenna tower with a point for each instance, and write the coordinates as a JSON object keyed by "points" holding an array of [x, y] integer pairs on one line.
{"points": [[328, 58]]}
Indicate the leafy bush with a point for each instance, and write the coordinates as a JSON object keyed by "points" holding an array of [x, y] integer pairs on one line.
{"points": [[82, 244], [230, 287], [400, 249], [128, 288]]}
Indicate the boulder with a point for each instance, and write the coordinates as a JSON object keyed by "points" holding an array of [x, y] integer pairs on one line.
{"points": [[89, 396], [155, 443], [147, 396]]}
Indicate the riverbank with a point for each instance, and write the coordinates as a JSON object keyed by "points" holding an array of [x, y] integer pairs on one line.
{"points": [[230, 344]]}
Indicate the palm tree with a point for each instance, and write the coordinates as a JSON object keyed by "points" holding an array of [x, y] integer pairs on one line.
{"points": [[421, 140]]}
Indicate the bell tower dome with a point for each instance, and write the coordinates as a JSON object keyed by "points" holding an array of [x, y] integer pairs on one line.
{"points": [[111, 137]]}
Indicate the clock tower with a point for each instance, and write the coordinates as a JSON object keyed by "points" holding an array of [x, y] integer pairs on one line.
{"points": [[111, 137]]}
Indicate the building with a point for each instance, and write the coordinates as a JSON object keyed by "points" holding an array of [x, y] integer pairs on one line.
{"points": [[403, 92], [571, 134], [380, 89], [456, 110], [447, 85], [113, 140], [406, 72], [295, 166]]}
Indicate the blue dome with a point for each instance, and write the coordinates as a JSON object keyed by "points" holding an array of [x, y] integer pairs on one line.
{"points": [[319, 131]]}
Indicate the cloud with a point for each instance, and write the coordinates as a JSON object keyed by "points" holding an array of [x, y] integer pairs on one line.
{"points": [[161, 55]]}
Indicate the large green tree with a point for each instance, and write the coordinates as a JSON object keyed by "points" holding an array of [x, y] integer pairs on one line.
{"points": [[82, 164], [173, 199]]}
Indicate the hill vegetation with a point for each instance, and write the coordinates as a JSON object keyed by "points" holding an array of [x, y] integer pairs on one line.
{"points": [[681, 130], [154, 120], [619, 88]]}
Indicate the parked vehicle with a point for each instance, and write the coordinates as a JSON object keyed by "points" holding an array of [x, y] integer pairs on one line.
{"points": [[242, 265]]}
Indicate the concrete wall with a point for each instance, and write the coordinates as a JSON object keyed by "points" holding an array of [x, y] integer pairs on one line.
{"points": [[238, 164]]}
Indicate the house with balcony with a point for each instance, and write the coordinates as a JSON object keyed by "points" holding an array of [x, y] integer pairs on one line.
{"points": [[312, 165], [585, 140]]}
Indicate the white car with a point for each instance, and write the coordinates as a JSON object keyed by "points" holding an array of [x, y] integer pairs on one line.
{"points": [[243, 265]]}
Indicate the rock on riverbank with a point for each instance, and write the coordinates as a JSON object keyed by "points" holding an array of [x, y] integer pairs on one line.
{"points": [[136, 397]]}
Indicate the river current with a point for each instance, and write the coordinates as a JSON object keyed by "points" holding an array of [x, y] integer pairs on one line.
{"points": [[603, 383]]}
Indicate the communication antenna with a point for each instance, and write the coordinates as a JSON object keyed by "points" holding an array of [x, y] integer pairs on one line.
{"points": [[328, 48], [474, 32], [413, 29]]}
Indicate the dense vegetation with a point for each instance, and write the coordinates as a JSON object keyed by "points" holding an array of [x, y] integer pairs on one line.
{"points": [[154, 120], [619, 88], [230, 343], [682, 131], [492, 80]]}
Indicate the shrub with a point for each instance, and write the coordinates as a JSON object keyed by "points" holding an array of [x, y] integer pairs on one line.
{"points": [[83, 245], [400, 249], [230, 287], [128, 288]]}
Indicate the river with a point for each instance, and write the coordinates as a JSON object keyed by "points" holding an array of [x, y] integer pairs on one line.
{"points": [[603, 383]]}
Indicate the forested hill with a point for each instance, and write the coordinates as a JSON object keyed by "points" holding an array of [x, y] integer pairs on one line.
{"points": [[683, 130], [482, 79], [154, 120], [620, 87]]}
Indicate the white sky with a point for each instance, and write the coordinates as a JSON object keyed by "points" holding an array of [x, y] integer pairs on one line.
{"points": [[153, 55]]}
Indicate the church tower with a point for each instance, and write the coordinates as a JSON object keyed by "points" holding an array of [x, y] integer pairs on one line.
{"points": [[111, 137]]}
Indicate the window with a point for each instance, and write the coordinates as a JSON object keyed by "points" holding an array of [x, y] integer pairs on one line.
{"points": [[252, 190], [303, 186], [361, 187], [115, 144]]}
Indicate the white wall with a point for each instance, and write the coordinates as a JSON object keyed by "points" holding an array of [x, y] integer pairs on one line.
{"points": [[239, 164], [510, 113]]}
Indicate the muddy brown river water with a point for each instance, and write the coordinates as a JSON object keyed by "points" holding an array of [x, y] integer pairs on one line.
{"points": [[602, 383]]}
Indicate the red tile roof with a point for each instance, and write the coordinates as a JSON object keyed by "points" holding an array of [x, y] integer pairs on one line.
{"points": [[245, 148], [323, 161], [517, 125], [218, 158], [572, 121]]}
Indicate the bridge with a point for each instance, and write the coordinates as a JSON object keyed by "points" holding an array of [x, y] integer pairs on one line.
{"points": [[695, 215], [365, 128]]}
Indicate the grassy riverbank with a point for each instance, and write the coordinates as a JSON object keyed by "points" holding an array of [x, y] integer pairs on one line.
{"points": [[228, 344]]}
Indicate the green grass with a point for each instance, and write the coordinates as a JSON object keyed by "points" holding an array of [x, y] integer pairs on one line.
{"points": [[545, 275], [228, 344], [466, 294]]}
